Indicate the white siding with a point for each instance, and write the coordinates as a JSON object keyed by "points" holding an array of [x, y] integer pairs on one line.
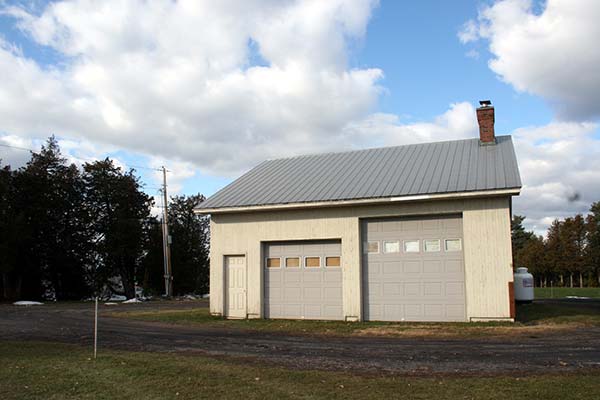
{"points": [[487, 248]]}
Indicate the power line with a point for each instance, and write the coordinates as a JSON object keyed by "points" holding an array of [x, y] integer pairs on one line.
{"points": [[16, 147]]}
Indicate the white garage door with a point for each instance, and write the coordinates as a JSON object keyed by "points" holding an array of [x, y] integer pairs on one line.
{"points": [[413, 269], [303, 280]]}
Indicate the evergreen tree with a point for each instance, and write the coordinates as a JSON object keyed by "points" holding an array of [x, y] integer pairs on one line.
{"points": [[151, 273], [53, 247], [189, 249], [572, 255], [9, 234], [593, 241], [520, 238], [554, 253], [532, 257], [119, 211]]}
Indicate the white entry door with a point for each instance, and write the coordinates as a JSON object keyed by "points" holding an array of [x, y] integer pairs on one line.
{"points": [[235, 276]]}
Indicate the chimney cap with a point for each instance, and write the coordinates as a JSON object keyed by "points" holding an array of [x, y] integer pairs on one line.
{"points": [[485, 103]]}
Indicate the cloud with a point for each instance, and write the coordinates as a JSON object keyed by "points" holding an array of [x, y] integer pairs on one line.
{"points": [[176, 80], [552, 54], [383, 129], [559, 165]]}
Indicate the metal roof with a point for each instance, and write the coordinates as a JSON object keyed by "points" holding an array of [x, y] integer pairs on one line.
{"points": [[417, 169]]}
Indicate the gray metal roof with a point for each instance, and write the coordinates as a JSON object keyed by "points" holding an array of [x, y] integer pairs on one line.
{"points": [[417, 169]]}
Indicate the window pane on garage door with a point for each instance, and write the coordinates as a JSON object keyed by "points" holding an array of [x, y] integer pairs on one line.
{"points": [[424, 281], [311, 291]]}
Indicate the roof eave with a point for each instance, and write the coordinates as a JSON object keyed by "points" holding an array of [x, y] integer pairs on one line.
{"points": [[380, 200]]}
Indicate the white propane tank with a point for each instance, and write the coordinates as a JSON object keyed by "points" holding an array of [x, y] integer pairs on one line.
{"points": [[523, 286]]}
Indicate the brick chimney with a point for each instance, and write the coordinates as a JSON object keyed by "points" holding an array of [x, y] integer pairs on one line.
{"points": [[485, 118]]}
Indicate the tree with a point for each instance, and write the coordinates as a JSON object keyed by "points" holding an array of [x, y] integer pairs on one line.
{"points": [[11, 279], [151, 273], [572, 255], [119, 211], [532, 257], [592, 255], [520, 237], [189, 250], [554, 251], [50, 226]]}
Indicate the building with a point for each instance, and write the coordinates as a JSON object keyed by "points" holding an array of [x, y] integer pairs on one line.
{"points": [[409, 233]]}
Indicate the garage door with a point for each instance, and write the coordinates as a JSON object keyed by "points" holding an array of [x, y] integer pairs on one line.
{"points": [[303, 280], [413, 269]]}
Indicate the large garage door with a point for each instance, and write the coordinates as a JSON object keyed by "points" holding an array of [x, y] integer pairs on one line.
{"points": [[303, 280], [413, 269]]}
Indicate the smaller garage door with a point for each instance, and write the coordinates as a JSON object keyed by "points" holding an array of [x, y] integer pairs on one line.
{"points": [[303, 280]]}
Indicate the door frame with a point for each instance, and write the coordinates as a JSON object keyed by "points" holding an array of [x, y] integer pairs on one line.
{"points": [[226, 286]]}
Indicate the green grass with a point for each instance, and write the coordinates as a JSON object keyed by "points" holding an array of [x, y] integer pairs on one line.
{"points": [[559, 293], [56, 371], [201, 316], [582, 314], [529, 317]]}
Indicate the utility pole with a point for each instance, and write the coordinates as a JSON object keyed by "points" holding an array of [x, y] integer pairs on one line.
{"points": [[166, 239]]}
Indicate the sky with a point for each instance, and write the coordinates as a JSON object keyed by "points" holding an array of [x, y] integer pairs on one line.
{"points": [[211, 89]]}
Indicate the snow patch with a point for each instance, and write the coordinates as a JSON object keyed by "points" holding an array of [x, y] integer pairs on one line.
{"points": [[28, 303], [110, 303], [578, 297], [134, 300]]}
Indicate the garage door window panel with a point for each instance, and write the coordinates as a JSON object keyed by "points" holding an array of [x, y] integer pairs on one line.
{"points": [[312, 262], [411, 246], [391, 246], [453, 245], [273, 262], [432, 245], [292, 262], [333, 261], [372, 247]]}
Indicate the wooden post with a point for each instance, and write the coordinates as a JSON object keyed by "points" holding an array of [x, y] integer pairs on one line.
{"points": [[511, 297], [96, 329]]}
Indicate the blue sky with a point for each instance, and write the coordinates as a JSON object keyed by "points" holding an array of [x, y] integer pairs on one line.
{"points": [[211, 90], [426, 66]]}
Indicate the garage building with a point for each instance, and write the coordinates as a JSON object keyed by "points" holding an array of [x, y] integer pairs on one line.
{"points": [[408, 233]]}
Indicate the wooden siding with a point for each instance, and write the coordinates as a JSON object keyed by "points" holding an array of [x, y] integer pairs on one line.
{"points": [[487, 246]]}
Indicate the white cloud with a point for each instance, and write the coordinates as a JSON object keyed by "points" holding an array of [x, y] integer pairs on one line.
{"points": [[553, 54], [174, 79], [559, 165], [381, 129]]}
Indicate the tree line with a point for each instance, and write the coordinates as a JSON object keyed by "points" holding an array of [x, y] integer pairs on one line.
{"points": [[569, 255], [69, 232]]}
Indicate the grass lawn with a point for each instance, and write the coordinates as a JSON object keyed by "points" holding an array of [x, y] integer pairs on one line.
{"points": [[532, 318], [559, 293], [33, 370]]}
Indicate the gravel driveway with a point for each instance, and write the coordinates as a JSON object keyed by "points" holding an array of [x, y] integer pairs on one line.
{"points": [[73, 323]]}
